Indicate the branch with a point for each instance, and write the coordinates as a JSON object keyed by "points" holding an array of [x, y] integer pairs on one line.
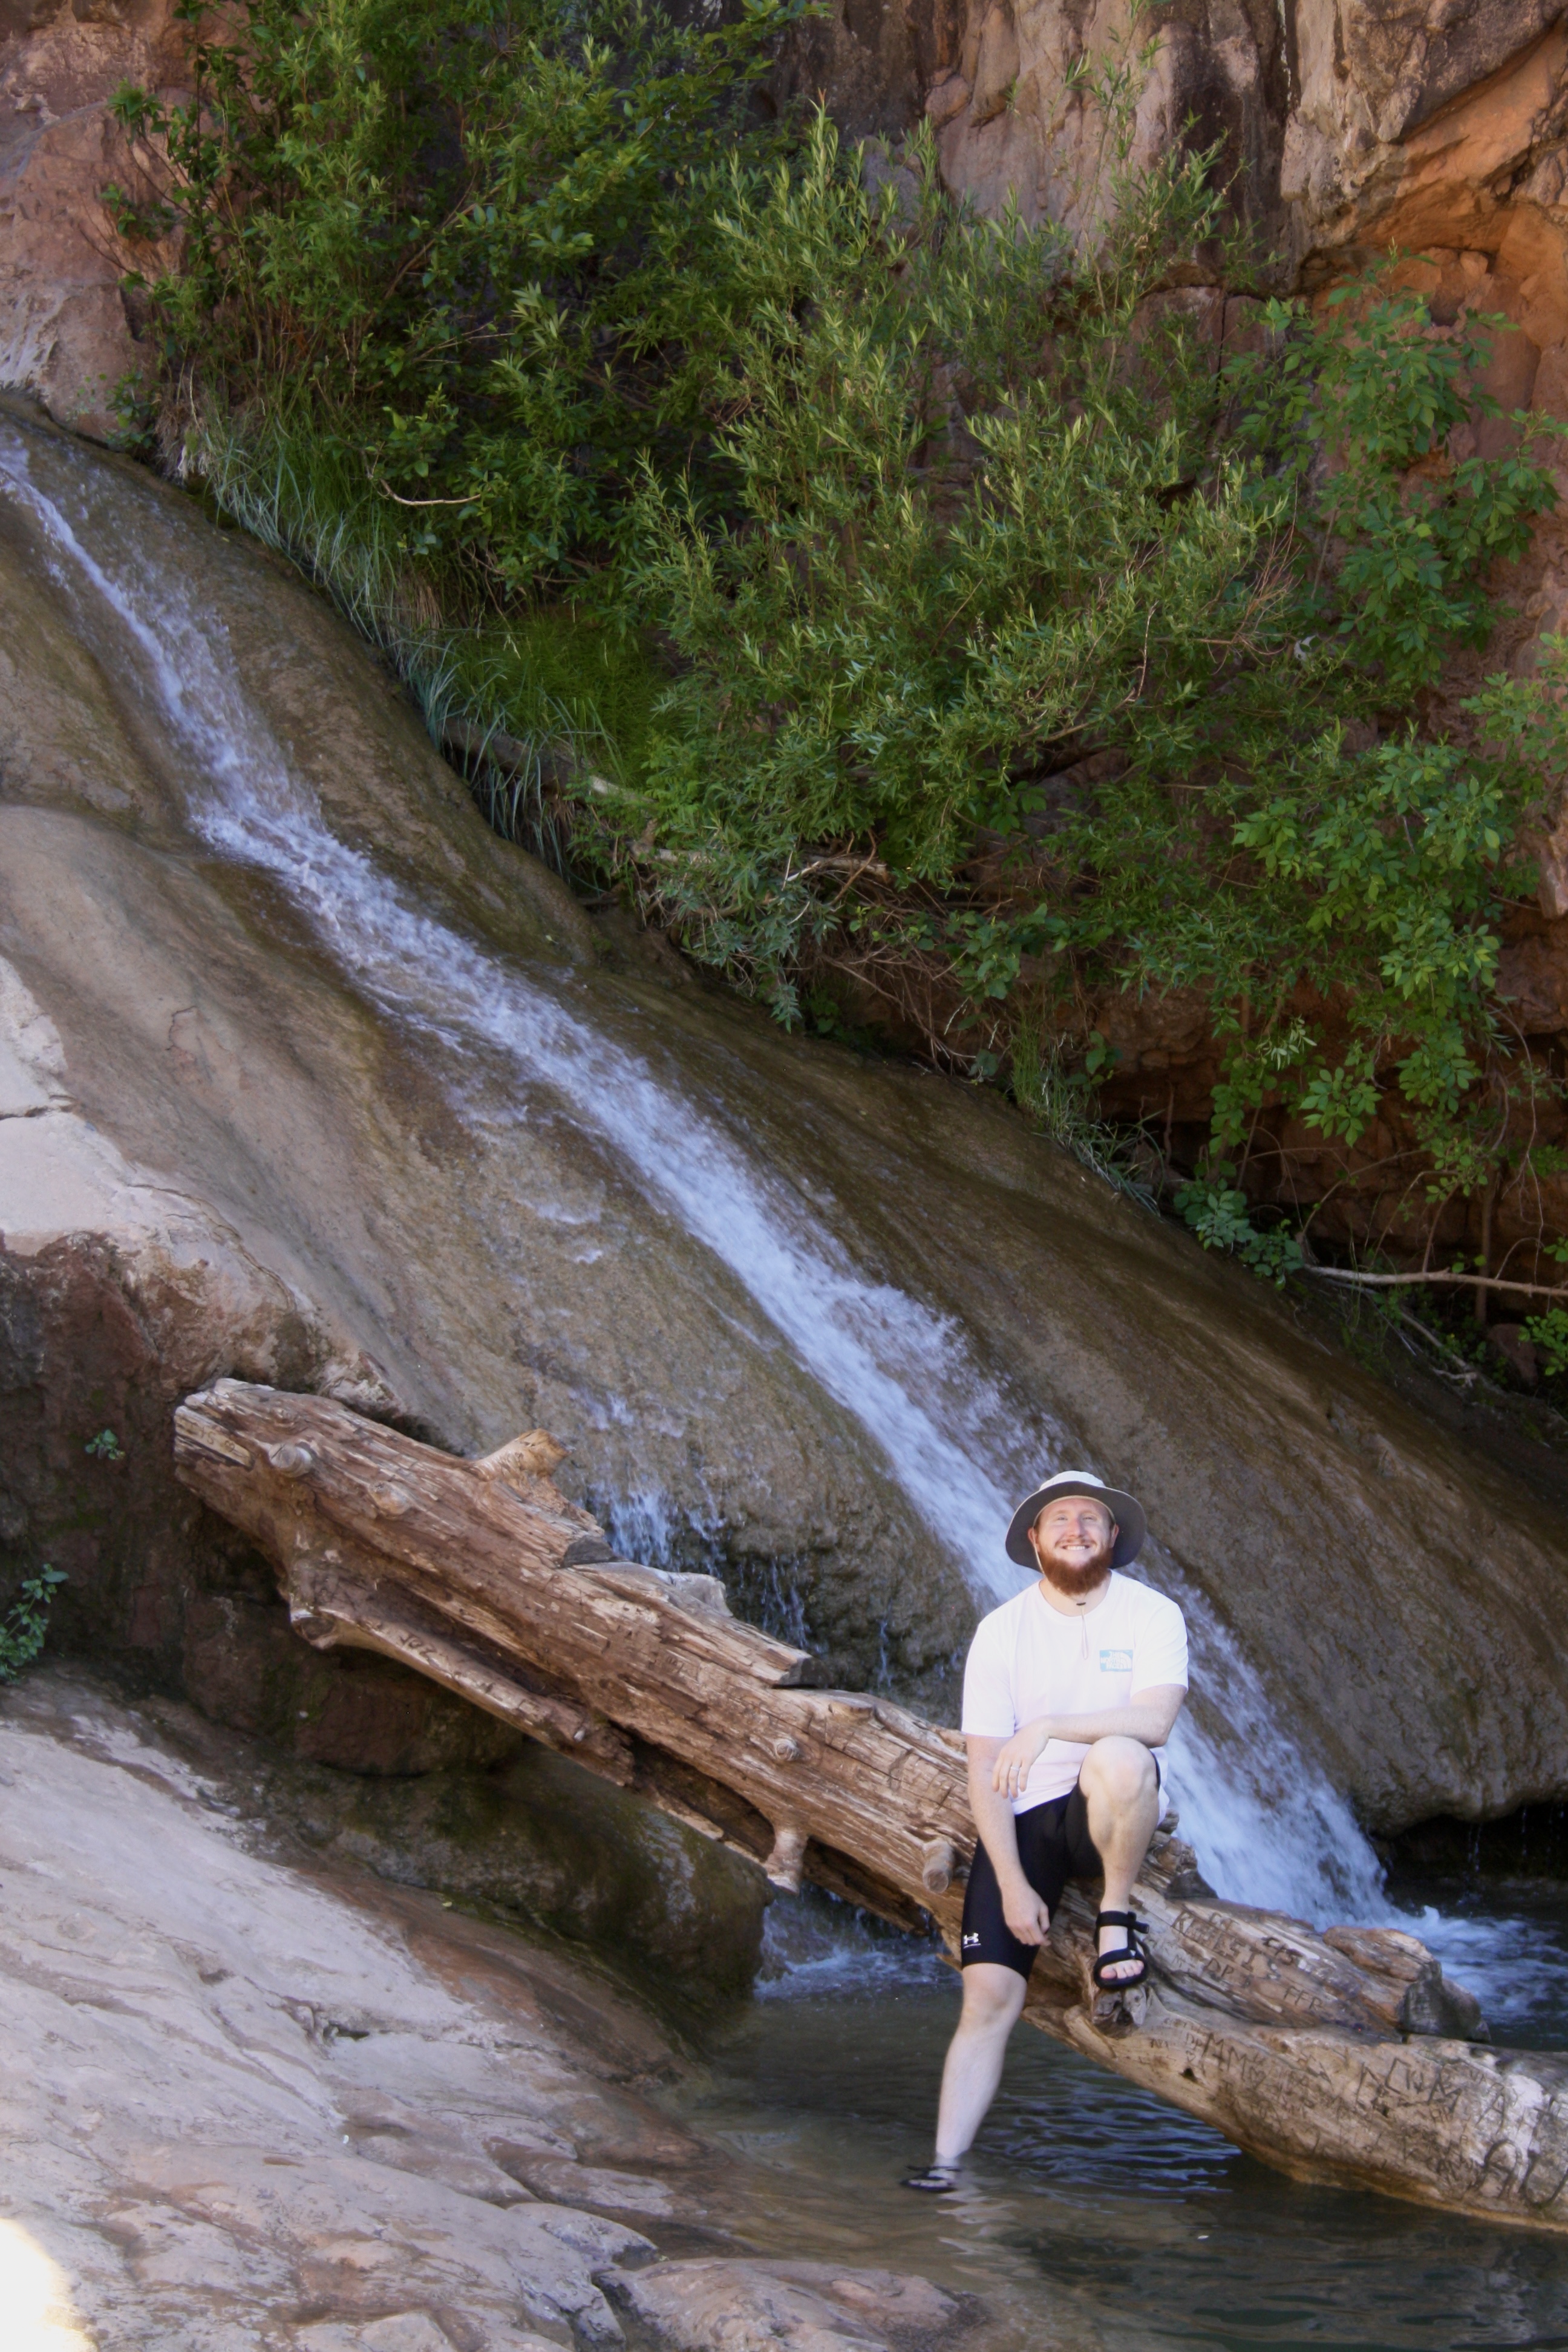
{"points": [[1395, 1281]]}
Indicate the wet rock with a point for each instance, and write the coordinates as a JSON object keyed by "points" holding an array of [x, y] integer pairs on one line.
{"points": [[540, 1840]]}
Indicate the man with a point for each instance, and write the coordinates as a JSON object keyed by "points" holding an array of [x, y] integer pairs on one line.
{"points": [[1069, 1696]]}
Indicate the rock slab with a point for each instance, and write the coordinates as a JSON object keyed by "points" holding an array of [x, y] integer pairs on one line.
{"points": [[253, 2108]]}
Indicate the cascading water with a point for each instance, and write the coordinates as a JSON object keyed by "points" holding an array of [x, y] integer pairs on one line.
{"points": [[1268, 1826]]}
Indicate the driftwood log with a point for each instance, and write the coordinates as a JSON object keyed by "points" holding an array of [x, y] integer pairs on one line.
{"points": [[1341, 2057]]}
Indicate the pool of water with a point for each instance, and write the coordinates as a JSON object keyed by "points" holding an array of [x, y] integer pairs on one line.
{"points": [[1093, 2215]]}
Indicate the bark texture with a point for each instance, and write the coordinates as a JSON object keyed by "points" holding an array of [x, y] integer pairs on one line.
{"points": [[1344, 2056]]}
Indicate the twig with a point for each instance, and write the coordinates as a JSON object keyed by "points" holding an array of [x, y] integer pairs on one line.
{"points": [[1476, 1281], [389, 492]]}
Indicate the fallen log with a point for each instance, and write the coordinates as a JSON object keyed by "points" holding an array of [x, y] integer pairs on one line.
{"points": [[1343, 2057]]}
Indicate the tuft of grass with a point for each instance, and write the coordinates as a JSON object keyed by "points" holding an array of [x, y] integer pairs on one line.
{"points": [[1058, 1100], [524, 698]]}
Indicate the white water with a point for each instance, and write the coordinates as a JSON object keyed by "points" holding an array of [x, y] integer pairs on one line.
{"points": [[1268, 1828]]}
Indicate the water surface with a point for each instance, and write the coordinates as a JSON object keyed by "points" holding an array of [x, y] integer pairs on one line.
{"points": [[1092, 2212]]}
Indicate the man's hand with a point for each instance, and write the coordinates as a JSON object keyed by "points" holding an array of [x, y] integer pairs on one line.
{"points": [[1027, 1915], [1016, 1761], [1022, 1909]]}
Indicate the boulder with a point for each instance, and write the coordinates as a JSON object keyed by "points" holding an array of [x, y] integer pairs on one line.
{"points": [[290, 2096], [711, 2305]]}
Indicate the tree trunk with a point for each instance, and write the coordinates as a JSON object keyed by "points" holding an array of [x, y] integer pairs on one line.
{"points": [[1344, 2056]]}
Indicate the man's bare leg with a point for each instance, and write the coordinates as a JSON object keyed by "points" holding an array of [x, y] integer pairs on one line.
{"points": [[1121, 1790], [992, 2003]]}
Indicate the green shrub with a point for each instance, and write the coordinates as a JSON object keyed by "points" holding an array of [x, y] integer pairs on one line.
{"points": [[21, 1635], [871, 679], [1549, 1334], [460, 236]]}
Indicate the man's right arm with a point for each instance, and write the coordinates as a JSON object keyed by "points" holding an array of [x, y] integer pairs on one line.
{"points": [[1027, 1915]]}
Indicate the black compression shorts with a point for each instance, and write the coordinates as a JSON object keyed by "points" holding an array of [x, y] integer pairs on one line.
{"points": [[1054, 1846]]}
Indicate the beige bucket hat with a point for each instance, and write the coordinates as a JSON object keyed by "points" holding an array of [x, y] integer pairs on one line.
{"points": [[1132, 1527]]}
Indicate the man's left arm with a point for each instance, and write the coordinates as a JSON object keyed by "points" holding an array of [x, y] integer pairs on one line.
{"points": [[1149, 1715]]}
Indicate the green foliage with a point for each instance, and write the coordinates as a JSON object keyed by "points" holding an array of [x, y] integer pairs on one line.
{"points": [[873, 589], [463, 233], [871, 669], [549, 685], [1358, 406], [937, 562], [1059, 1101], [1549, 1334], [1222, 1218], [105, 1447], [21, 1635]]}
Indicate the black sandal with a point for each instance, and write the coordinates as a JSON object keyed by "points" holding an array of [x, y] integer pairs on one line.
{"points": [[1130, 1951], [935, 2180]]}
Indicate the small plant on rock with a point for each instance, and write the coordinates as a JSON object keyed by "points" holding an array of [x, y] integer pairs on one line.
{"points": [[21, 1635]]}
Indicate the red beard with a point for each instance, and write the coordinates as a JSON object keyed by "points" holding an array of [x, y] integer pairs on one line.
{"points": [[1074, 1581]]}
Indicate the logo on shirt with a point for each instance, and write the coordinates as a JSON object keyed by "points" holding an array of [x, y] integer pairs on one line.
{"points": [[1116, 1662], [970, 1940]]}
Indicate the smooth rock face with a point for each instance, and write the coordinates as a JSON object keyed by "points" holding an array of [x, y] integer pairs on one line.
{"points": [[533, 1838], [1011, 122], [234, 2098], [252, 2107]]}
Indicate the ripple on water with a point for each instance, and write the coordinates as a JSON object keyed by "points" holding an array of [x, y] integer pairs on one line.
{"points": [[1090, 2204]]}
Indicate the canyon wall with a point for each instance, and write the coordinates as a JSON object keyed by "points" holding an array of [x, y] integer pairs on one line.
{"points": [[69, 332], [1350, 126]]}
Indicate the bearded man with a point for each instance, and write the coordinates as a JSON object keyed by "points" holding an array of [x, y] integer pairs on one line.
{"points": [[1069, 1696]]}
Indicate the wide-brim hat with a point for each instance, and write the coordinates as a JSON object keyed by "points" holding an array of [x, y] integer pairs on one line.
{"points": [[1132, 1527]]}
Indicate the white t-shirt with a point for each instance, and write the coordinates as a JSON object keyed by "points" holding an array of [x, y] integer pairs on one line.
{"points": [[1028, 1659]]}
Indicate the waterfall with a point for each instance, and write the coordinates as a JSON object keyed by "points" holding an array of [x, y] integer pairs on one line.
{"points": [[1268, 1826]]}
